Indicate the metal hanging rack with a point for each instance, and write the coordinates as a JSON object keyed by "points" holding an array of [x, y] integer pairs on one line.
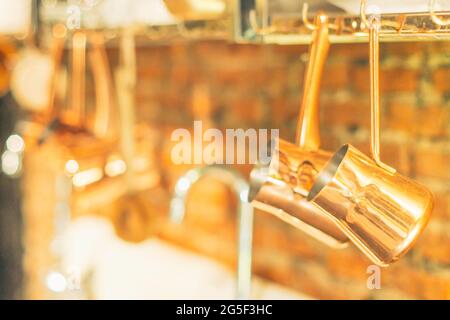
{"points": [[254, 22], [175, 28]]}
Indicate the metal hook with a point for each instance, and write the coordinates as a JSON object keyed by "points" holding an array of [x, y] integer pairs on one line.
{"points": [[401, 19], [368, 22], [362, 11], [321, 16], [306, 22], [435, 18]]}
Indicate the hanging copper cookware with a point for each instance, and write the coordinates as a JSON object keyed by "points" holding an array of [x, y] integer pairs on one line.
{"points": [[381, 211], [281, 187]]}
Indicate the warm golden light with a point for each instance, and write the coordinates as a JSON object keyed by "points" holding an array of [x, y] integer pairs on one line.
{"points": [[56, 282], [15, 143], [87, 177], [11, 163], [115, 167], [72, 166]]}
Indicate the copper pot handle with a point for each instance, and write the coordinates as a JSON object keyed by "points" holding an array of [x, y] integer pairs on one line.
{"points": [[308, 132], [58, 41], [374, 44], [104, 102], [75, 114]]}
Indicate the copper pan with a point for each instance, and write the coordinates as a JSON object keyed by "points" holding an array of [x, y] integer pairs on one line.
{"points": [[381, 211], [281, 187]]}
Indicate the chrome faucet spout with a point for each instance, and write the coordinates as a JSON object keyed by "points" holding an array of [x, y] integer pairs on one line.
{"points": [[240, 188]]}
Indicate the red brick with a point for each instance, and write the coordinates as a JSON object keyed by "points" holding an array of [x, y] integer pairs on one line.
{"points": [[402, 50], [329, 140], [179, 51], [247, 51], [432, 161], [245, 110], [442, 205], [355, 51], [279, 109], [438, 47], [417, 283], [353, 112], [401, 116], [183, 74], [288, 51], [348, 263], [433, 121], [210, 49], [225, 55], [252, 78], [336, 75], [434, 244], [397, 155], [151, 71], [391, 80], [398, 80], [429, 121], [154, 56], [441, 79]]}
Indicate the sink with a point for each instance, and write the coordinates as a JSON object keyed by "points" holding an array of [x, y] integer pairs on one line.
{"points": [[153, 269]]}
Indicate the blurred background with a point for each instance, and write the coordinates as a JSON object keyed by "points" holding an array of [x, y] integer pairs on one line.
{"points": [[91, 92]]}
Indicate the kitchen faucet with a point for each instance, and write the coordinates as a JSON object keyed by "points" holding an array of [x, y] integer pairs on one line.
{"points": [[245, 220]]}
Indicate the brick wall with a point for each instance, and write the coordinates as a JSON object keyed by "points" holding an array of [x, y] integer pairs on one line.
{"points": [[260, 87]]}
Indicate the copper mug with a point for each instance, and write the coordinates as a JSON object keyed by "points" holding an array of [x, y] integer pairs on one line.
{"points": [[381, 211], [281, 187]]}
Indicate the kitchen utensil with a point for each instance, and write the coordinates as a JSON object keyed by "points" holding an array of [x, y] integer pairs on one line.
{"points": [[281, 187], [381, 211], [102, 121], [74, 116]]}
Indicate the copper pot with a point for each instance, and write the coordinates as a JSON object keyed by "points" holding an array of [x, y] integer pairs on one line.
{"points": [[381, 211], [281, 187]]}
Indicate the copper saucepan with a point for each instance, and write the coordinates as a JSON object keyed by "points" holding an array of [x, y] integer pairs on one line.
{"points": [[281, 187], [381, 211]]}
